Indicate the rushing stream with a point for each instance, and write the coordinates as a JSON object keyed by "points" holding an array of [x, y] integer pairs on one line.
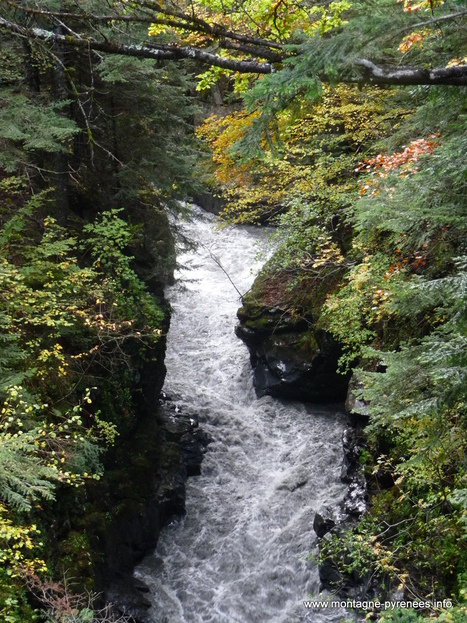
{"points": [[240, 553]]}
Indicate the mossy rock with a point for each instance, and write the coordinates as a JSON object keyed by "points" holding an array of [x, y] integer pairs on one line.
{"points": [[296, 347], [292, 354]]}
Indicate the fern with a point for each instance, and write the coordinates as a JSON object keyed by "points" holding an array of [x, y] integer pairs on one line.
{"points": [[23, 478]]}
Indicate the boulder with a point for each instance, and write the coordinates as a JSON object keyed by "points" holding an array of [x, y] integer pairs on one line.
{"points": [[322, 525], [291, 357]]}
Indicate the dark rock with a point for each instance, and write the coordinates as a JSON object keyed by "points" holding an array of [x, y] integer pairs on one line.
{"points": [[357, 407], [165, 451], [133, 591], [127, 597], [329, 575], [153, 246], [353, 585], [257, 323], [356, 498], [210, 202], [292, 355], [353, 443], [106, 528], [163, 397], [322, 526], [249, 336], [352, 472], [193, 446], [290, 358]]}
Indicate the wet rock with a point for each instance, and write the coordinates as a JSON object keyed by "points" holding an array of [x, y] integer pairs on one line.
{"points": [[290, 357], [356, 498], [329, 575], [352, 586], [183, 429], [293, 481], [128, 598], [353, 444], [352, 472], [193, 446], [143, 488], [322, 525], [210, 202]]}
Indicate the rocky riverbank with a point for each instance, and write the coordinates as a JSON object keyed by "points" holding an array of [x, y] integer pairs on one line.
{"points": [[97, 533], [291, 357], [146, 489]]}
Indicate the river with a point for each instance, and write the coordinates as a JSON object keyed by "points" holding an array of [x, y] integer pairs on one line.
{"points": [[241, 553]]}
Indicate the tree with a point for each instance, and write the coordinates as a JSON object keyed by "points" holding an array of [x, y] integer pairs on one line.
{"points": [[251, 31], [393, 292], [92, 149]]}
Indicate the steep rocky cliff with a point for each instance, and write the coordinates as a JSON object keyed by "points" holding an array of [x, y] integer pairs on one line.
{"points": [[292, 357], [98, 533]]}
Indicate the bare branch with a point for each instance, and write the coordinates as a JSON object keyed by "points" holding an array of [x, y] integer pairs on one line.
{"points": [[436, 20], [173, 19], [371, 73], [272, 57], [455, 76], [218, 262], [167, 52]]}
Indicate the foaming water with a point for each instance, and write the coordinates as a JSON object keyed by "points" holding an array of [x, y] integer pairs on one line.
{"points": [[241, 552]]}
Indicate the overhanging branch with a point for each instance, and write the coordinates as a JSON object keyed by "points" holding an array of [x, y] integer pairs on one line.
{"points": [[371, 73], [173, 19], [455, 76], [436, 20], [215, 30], [169, 52], [270, 55]]}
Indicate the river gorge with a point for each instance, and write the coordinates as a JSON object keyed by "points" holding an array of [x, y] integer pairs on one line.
{"points": [[241, 552]]}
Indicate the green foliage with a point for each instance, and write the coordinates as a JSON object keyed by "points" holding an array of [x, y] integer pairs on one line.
{"points": [[372, 30], [14, 606], [417, 427], [423, 211], [148, 130], [311, 162], [372, 247], [68, 309], [210, 77], [400, 616], [81, 135], [346, 314], [27, 125], [457, 614]]}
